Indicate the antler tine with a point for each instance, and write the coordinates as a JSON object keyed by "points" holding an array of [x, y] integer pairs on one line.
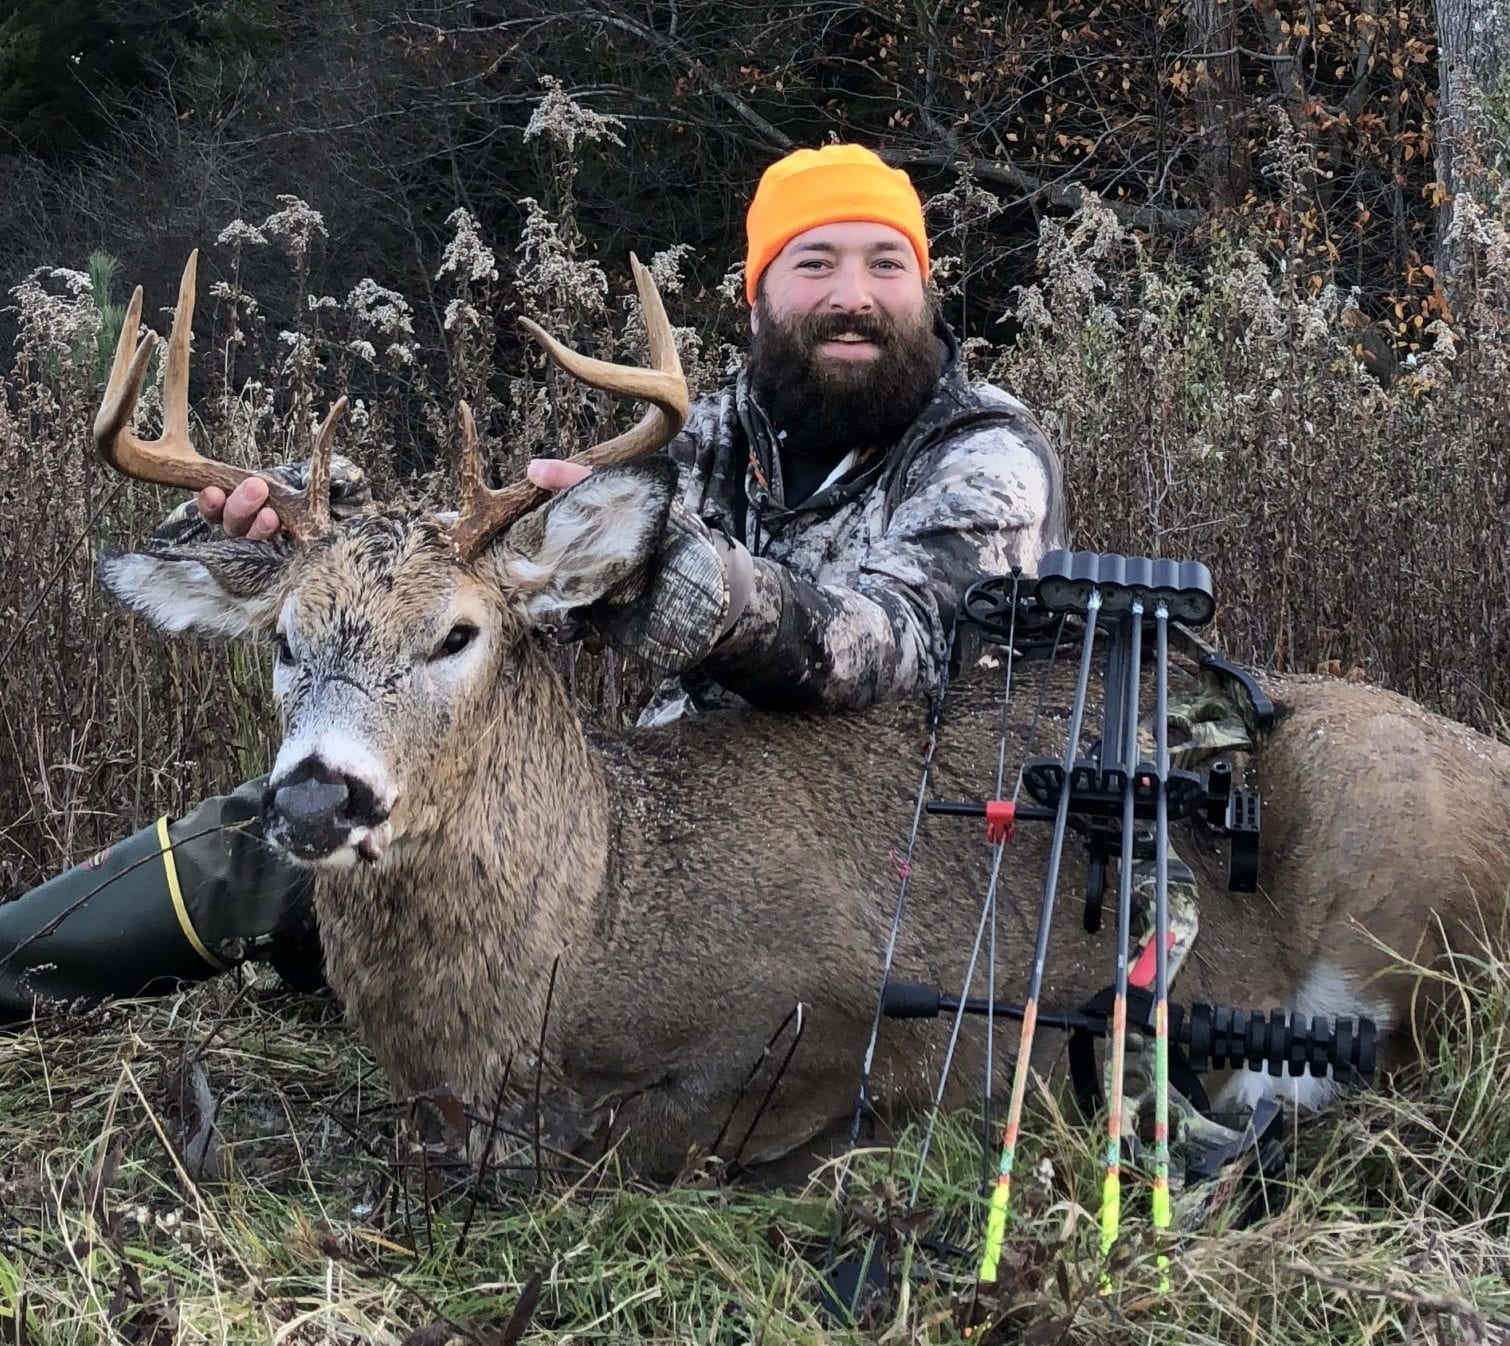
{"points": [[663, 384], [127, 373], [171, 459], [317, 484], [484, 513]]}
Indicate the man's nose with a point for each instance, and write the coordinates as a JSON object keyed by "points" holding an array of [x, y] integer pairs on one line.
{"points": [[851, 290]]}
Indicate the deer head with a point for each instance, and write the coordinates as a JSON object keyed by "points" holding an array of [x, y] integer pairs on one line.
{"points": [[395, 634]]}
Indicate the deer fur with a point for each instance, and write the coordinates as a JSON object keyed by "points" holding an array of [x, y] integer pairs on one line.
{"points": [[685, 887]]}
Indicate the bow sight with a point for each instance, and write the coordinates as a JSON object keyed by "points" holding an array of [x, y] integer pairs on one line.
{"points": [[1119, 796], [1098, 782]]}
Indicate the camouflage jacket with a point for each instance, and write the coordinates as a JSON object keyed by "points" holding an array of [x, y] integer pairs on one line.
{"points": [[856, 588]]}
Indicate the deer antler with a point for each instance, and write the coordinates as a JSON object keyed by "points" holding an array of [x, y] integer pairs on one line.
{"points": [[171, 460], [485, 512]]}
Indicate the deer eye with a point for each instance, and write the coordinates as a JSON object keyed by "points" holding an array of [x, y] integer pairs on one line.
{"points": [[285, 651], [457, 639]]}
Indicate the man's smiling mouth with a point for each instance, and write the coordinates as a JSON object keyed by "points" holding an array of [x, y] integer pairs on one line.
{"points": [[848, 344]]}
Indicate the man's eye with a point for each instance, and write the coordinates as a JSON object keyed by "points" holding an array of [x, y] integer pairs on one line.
{"points": [[285, 651], [457, 639]]}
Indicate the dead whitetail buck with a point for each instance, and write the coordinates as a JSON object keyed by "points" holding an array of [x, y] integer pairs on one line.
{"points": [[689, 885]]}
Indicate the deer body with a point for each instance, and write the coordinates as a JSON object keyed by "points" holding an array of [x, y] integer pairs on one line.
{"points": [[671, 895], [689, 885]]}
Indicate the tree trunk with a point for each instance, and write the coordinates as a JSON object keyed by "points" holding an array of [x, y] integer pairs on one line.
{"points": [[1224, 153], [1473, 42]]}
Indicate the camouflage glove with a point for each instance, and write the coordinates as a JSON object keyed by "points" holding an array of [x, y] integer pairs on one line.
{"points": [[350, 494], [674, 612]]}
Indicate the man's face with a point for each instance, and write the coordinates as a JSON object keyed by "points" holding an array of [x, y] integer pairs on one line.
{"points": [[843, 353], [851, 269]]}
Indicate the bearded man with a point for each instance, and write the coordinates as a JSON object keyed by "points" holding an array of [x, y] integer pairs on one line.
{"points": [[836, 501], [853, 480]]}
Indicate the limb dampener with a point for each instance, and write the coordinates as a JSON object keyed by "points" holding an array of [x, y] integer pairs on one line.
{"points": [[1120, 794]]}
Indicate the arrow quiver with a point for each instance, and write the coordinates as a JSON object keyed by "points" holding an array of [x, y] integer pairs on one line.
{"points": [[1052, 612]]}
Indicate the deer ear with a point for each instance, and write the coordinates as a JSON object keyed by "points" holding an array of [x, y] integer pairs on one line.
{"points": [[587, 539], [224, 588]]}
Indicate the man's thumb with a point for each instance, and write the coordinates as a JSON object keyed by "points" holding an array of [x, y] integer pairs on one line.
{"points": [[554, 474]]}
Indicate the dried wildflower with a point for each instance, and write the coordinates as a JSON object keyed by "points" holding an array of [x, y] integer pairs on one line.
{"points": [[461, 315], [362, 349], [323, 301], [466, 255], [301, 350], [1031, 312], [296, 224], [56, 323], [944, 270], [551, 276], [384, 311], [963, 206], [1287, 157], [1312, 324], [973, 350], [1472, 223], [239, 233], [666, 268], [731, 289], [1247, 289], [564, 123], [232, 294]]}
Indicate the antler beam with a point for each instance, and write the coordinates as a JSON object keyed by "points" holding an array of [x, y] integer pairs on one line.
{"points": [[485, 513], [171, 459]]}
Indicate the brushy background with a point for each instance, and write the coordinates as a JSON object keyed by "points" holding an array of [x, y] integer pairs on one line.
{"points": [[1217, 401], [1355, 517]]}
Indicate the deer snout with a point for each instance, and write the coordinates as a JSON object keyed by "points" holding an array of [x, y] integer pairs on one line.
{"points": [[319, 813]]}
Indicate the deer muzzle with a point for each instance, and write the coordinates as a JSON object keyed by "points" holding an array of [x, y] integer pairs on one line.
{"points": [[321, 815]]}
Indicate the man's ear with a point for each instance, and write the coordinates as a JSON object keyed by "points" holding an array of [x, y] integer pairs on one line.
{"points": [[587, 540], [224, 588]]}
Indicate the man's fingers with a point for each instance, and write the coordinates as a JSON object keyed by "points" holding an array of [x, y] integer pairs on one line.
{"points": [[555, 474], [244, 514], [264, 526], [211, 502]]}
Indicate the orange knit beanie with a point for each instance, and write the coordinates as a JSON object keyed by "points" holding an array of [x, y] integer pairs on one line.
{"points": [[833, 185]]}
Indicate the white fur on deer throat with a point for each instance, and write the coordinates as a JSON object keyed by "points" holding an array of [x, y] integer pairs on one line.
{"points": [[1326, 991]]}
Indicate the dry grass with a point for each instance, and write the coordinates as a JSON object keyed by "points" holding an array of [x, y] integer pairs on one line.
{"points": [[226, 1166]]}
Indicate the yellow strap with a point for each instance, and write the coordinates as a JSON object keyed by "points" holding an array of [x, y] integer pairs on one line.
{"points": [[170, 867]]}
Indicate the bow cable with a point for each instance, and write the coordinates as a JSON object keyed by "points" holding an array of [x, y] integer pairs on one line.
{"points": [[1161, 1211], [988, 906]]}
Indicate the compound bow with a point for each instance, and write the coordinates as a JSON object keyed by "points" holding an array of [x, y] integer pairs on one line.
{"points": [[1119, 802]]}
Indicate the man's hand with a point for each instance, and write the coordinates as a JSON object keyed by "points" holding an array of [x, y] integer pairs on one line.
{"points": [[244, 513], [555, 474]]}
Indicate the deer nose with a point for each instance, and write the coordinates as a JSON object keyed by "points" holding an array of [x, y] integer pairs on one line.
{"points": [[314, 809]]}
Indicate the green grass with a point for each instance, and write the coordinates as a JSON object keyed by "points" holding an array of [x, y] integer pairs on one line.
{"points": [[309, 1220]]}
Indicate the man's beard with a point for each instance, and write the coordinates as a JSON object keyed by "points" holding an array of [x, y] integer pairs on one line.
{"points": [[827, 407]]}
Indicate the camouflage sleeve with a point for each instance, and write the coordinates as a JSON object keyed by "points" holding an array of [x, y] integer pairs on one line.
{"points": [[978, 504]]}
